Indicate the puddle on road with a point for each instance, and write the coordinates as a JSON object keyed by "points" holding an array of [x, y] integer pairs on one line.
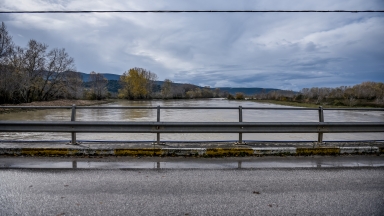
{"points": [[378, 162]]}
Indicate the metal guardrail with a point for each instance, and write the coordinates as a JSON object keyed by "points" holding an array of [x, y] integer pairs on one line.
{"points": [[158, 127]]}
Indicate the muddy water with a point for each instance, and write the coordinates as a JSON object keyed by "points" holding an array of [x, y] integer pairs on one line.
{"points": [[179, 115]]}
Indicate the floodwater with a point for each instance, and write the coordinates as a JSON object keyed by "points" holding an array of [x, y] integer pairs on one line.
{"points": [[195, 115]]}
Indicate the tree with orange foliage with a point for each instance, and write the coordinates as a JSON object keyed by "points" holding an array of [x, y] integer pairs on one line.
{"points": [[137, 84]]}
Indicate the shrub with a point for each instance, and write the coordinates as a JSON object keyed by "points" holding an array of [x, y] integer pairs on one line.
{"points": [[239, 96], [230, 97]]}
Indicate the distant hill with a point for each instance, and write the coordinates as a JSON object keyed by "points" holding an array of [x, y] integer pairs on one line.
{"points": [[106, 75], [113, 85], [247, 91]]}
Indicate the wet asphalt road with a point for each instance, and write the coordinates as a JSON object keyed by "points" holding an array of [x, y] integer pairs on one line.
{"points": [[266, 191]]}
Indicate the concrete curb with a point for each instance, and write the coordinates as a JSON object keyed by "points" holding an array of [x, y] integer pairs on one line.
{"points": [[205, 152]]}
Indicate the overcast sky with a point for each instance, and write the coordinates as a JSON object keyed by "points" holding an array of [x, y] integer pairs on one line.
{"points": [[270, 50]]}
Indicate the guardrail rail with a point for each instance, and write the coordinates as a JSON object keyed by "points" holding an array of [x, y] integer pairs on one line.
{"points": [[159, 127]]}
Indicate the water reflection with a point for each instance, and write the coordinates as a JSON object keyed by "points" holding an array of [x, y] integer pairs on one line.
{"points": [[295, 162], [116, 115], [196, 115], [239, 165]]}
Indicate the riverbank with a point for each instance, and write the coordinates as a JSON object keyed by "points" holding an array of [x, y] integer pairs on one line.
{"points": [[61, 102]]}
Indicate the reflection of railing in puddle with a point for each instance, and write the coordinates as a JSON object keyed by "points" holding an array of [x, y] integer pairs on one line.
{"points": [[222, 165]]}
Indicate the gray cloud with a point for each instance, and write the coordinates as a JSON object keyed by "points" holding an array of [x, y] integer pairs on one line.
{"points": [[279, 50]]}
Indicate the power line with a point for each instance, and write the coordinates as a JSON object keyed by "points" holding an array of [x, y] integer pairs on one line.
{"points": [[200, 11]]}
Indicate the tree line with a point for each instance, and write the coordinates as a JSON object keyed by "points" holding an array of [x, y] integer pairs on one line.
{"points": [[139, 83], [364, 94]]}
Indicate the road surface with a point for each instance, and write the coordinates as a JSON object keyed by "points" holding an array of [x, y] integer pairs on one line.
{"points": [[348, 190]]}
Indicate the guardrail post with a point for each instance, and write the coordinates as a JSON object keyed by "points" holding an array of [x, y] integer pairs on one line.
{"points": [[73, 118], [240, 120], [158, 120], [321, 119]]}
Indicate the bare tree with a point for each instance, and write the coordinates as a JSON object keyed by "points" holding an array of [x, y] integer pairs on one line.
{"points": [[6, 43], [33, 74], [6, 47], [13, 76], [166, 89], [34, 69], [98, 85], [74, 85], [54, 76]]}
